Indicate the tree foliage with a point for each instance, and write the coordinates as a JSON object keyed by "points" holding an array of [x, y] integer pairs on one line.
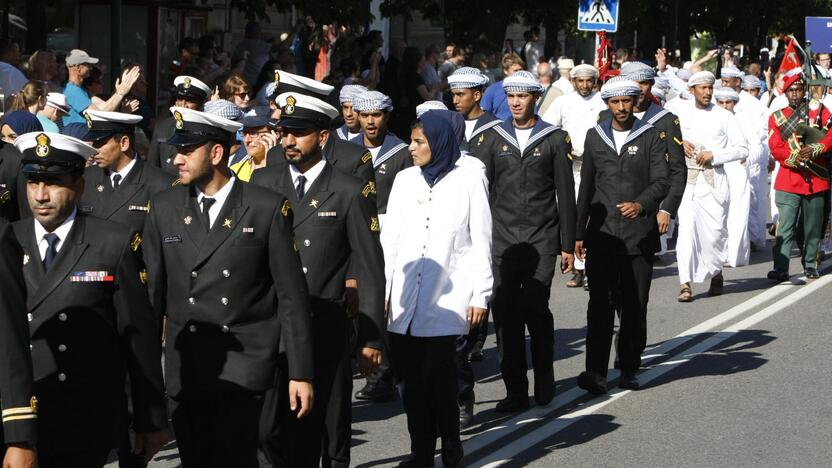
{"points": [[482, 24]]}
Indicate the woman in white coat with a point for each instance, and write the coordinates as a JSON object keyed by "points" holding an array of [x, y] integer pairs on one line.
{"points": [[437, 255]]}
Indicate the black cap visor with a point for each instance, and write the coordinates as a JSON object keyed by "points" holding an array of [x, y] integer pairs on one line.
{"points": [[31, 168], [301, 124]]}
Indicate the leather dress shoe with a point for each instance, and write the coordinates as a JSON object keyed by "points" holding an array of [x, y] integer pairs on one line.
{"points": [[629, 381], [778, 276], [811, 273], [466, 412], [593, 383], [513, 404], [377, 392]]}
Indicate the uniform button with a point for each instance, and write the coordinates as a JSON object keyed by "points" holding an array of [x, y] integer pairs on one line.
{"points": [[307, 243], [226, 273], [192, 328], [225, 328], [305, 270], [61, 376], [61, 347], [30, 317], [62, 317], [31, 347], [194, 274], [191, 301], [224, 301]]}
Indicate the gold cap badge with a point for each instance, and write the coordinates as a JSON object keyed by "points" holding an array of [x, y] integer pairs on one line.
{"points": [[42, 149], [180, 123], [289, 109]]}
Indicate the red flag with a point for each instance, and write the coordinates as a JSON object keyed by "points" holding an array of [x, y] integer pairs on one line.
{"points": [[790, 58]]}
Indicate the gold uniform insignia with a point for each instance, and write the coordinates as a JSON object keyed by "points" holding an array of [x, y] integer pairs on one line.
{"points": [[176, 182], [136, 242], [42, 149], [662, 135], [313, 203], [481, 139], [366, 158], [143, 276], [180, 123], [88, 119], [374, 226], [567, 139], [676, 122], [33, 403], [276, 78], [186, 83], [284, 210], [677, 141], [369, 189], [289, 108], [227, 223], [5, 196]]}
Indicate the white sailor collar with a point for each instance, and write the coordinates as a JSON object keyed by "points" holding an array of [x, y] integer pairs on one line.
{"points": [[604, 130], [540, 130]]}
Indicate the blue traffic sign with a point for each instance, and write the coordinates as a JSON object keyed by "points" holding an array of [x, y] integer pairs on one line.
{"points": [[598, 15], [819, 31]]}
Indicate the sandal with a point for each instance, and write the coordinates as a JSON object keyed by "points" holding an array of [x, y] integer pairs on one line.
{"points": [[685, 295], [716, 285], [577, 280]]}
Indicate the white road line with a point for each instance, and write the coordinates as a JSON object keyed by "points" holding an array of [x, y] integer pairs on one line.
{"points": [[505, 454], [537, 413]]}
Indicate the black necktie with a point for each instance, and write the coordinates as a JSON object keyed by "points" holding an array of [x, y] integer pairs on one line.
{"points": [[301, 188], [116, 181], [206, 205], [51, 250]]}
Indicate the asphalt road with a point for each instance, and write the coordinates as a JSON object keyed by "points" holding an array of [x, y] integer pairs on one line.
{"points": [[740, 379]]}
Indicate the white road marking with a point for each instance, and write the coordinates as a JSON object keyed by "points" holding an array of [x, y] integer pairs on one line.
{"points": [[506, 453], [537, 413]]}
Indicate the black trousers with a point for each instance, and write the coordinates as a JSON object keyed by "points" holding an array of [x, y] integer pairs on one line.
{"points": [[218, 430], [521, 300], [425, 368], [323, 436], [465, 373], [627, 275]]}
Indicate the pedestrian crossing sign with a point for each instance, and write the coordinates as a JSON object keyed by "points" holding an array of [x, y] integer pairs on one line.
{"points": [[598, 15]]}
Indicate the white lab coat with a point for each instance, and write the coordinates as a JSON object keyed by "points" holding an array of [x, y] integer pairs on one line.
{"points": [[437, 250]]}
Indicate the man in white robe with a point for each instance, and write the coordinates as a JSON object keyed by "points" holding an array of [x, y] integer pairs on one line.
{"points": [[711, 137], [739, 205], [576, 113], [758, 157]]}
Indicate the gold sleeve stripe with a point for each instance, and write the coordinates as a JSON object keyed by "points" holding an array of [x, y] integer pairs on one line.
{"points": [[19, 410], [20, 418]]}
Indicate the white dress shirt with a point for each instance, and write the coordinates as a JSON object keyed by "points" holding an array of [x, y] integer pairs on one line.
{"points": [[62, 232], [310, 175], [575, 114], [220, 197], [437, 250], [123, 172], [564, 85]]}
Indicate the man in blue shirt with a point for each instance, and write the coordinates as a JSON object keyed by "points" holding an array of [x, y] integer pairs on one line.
{"points": [[494, 99], [79, 64]]}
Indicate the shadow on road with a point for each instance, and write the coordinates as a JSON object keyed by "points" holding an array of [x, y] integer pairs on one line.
{"points": [[729, 357]]}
